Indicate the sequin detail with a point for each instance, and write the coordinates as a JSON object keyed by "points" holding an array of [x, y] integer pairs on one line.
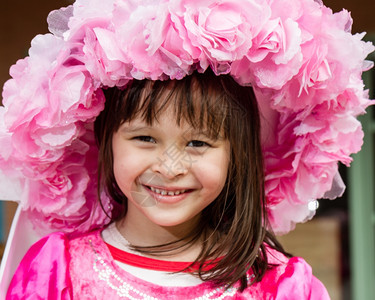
{"points": [[127, 291]]}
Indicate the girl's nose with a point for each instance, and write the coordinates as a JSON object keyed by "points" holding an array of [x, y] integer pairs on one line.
{"points": [[172, 162]]}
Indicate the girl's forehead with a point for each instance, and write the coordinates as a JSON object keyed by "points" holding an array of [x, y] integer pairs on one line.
{"points": [[196, 100], [168, 114]]}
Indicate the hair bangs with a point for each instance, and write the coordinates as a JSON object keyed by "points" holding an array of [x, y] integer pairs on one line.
{"points": [[197, 101]]}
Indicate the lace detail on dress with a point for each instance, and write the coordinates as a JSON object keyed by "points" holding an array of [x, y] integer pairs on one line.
{"points": [[125, 290]]}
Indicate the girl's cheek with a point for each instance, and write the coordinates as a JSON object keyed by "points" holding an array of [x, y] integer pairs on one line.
{"points": [[212, 169]]}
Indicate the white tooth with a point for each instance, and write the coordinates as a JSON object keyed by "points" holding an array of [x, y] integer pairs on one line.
{"points": [[164, 192]]}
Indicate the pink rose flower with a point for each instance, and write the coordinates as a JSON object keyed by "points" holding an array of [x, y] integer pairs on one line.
{"points": [[164, 41], [323, 75], [130, 37], [30, 81], [43, 135], [275, 56], [218, 33], [153, 46], [65, 197], [55, 183], [86, 11], [104, 59]]}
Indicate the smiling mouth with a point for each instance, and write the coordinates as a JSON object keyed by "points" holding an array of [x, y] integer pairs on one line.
{"points": [[167, 192]]}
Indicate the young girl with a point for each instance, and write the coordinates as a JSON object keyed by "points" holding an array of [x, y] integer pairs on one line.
{"points": [[192, 177]]}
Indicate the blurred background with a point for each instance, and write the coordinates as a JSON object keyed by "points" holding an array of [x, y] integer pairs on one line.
{"points": [[339, 243]]}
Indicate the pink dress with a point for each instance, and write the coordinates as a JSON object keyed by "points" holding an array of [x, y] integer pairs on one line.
{"points": [[57, 267]]}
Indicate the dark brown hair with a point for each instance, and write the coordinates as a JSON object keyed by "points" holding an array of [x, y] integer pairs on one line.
{"points": [[235, 223]]}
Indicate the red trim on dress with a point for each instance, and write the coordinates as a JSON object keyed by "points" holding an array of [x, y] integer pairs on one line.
{"points": [[154, 264]]}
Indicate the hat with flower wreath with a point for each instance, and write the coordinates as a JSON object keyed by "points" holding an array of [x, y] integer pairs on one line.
{"points": [[301, 59]]}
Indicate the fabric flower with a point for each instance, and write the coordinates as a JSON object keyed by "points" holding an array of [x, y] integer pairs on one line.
{"points": [[275, 56], [21, 115], [62, 197], [104, 59], [218, 33], [42, 124], [300, 58]]}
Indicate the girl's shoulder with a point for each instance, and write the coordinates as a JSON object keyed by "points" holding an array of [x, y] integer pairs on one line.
{"points": [[55, 260], [288, 278], [70, 265], [46, 258]]}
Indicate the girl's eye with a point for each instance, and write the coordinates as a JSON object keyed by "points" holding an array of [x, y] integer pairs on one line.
{"points": [[145, 138], [196, 143]]}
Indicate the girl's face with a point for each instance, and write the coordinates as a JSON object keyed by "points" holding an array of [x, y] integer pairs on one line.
{"points": [[169, 173]]}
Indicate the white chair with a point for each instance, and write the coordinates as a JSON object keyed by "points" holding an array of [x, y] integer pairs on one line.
{"points": [[21, 235]]}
